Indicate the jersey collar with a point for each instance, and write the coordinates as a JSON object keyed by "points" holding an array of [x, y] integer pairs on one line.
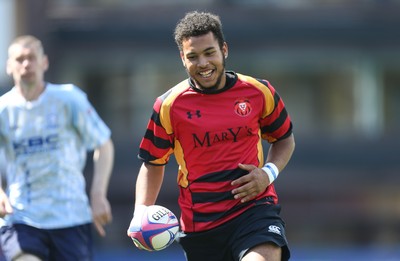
{"points": [[231, 78]]}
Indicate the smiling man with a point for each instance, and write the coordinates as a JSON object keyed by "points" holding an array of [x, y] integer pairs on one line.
{"points": [[204, 61], [214, 122]]}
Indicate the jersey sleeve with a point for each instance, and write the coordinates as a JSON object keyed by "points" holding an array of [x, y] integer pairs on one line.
{"points": [[275, 123], [91, 128], [157, 144]]}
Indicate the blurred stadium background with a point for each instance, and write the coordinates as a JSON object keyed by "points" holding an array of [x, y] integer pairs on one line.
{"points": [[336, 63]]}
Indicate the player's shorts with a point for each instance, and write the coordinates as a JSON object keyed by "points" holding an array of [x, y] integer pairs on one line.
{"points": [[232, 240], [73, 243]]}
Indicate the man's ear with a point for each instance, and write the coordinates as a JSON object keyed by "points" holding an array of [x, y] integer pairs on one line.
{"points": [[225, 50], [8, 68], [45, 63], [182, 59]]}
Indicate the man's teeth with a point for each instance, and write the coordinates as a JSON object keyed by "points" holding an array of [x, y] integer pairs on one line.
{"points": [[206, 73]]}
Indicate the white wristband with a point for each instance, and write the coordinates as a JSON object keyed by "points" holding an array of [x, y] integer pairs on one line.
{"points": [[271, 170]]}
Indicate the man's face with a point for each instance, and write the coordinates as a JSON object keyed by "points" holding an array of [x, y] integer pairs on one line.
{"points": [[27, 64], [205, 61]]}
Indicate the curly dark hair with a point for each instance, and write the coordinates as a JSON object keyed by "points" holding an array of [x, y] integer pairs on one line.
{"points": [[198, 23]]}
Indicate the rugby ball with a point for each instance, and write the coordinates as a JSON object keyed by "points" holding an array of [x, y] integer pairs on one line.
{"points": [[158, 229]]}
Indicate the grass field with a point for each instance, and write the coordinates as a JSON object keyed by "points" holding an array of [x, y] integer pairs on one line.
{"points": [[174, 253]]}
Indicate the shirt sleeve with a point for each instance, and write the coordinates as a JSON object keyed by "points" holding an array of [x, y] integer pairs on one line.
{"points": [[156, 145], [91, 128], [276, 124]]}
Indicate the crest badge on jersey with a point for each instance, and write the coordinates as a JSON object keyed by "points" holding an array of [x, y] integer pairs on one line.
{"points": [[242, 107]]}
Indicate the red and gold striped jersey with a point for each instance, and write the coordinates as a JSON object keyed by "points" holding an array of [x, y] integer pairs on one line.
{"points": [[210, 133]]}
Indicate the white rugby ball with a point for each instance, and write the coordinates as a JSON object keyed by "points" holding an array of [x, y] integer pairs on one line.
{"points": [[159, 227]]}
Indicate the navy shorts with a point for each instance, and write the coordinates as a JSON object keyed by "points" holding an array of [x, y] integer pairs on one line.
{"points": [[231, 241], [73, 243]]}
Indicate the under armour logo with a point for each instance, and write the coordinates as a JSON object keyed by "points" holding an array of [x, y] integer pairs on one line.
{"points": [[196, 113]]}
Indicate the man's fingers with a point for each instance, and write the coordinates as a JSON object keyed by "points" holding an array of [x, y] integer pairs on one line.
{"points": [[100, 221], [246, 167], [247, 189], [99, 228]]}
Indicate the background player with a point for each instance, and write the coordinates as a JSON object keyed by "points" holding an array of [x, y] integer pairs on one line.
{"points": [[45, 132], [214, 122]]}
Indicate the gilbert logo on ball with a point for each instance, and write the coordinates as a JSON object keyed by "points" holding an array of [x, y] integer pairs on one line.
{"points": [[158, 230]]}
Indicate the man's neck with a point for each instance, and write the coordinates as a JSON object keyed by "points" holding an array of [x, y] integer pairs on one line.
{"points": [[31, 92]]}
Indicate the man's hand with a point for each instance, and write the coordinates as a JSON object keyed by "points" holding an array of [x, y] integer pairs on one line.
{"points": [[250, 185], [136, 222], [5, 206], [101, 212]]}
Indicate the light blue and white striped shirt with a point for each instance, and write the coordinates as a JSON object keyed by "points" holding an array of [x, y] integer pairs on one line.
{"points": [[43, 145]]}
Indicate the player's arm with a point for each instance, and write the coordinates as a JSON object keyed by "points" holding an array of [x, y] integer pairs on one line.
{"points": [[103, 160], [281, 151], [5, 206], [258, 179], [148, 184]]}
